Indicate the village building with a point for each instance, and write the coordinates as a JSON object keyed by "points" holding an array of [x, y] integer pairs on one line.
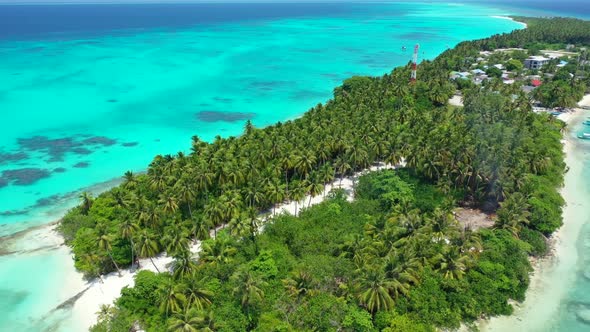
{"points": [[536, 62]]}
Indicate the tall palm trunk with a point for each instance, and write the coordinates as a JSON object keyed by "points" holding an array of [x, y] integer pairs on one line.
{"points": [[132, 253], [287, 182], [295, 208], [190, 212], [154, 264], [116, 266]]}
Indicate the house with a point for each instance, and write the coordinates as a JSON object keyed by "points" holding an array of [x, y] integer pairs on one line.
{"points": [[535, 62], [479, 79], [536, 83], [570, 47], [499, 66], [478, 72], [562, 64]]}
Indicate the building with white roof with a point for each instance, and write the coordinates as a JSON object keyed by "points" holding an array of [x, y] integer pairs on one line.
{"points": [[536, 62]]}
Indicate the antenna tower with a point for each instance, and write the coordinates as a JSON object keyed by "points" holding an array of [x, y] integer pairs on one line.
{"points": [[414, 63]]}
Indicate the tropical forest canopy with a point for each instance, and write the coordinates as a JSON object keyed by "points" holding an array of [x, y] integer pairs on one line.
{"points": [[394, 259]]}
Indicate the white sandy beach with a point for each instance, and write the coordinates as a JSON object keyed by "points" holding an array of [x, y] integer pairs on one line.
{"points": [[524, 25], [105, 291], [553, 275]]}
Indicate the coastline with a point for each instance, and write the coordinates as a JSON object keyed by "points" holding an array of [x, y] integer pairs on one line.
{"points": [[552, 275], [82, 295], [524, 25]]}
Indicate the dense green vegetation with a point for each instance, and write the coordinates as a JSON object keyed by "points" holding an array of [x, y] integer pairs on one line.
{"points": [[395, 257]]}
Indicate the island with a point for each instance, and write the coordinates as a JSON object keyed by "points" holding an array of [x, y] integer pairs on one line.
{"points": [[385, 209]]}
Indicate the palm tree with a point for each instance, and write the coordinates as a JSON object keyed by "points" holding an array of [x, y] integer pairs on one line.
{"points": [[513, 212], [373, 291], [121, 197], [326, 176], [169, 204], [400, 275], [199, 228], [300, 284], [186, 193], [218, 251], [305, 163], [86, 202], [287, 163], [175, 240], [276, 194], [298, 194], [105, 313], [248, 288], [442, 225], [197, 293], [343, 167], [148, 246], [172, 298], [104, 243], [314, 188], [240, 226], [214, 212], [129, 180], [188, 320], [452, 264], [183, 265], [128, 229]]}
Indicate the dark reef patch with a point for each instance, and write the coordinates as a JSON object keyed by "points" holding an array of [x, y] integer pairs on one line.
{"points": [[82, 164], [55, 148], [24, 176], [58, 147], [130, 144], [47, 201], [59, 170], [12, 298], [112, 100], [13, 213], [81, 151], [11, 157], [269, 85], [306, 94], [99, 140], [213, 116], [3, 182]]}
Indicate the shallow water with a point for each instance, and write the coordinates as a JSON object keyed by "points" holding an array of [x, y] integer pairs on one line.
{"points": [[574, 309], [81, 108]]}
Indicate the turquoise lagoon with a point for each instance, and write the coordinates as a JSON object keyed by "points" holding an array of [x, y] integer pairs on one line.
{"points": [[78, 110]]}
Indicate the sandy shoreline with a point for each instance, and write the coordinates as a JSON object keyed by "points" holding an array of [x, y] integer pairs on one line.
{"points": [[552, 276], [81, 314], [524, 25]]}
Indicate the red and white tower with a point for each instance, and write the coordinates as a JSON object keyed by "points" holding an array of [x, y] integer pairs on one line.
{"points": [[414, 63]]}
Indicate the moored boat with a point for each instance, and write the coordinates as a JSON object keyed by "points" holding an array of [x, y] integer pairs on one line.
{"points": [[584, 136]]}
